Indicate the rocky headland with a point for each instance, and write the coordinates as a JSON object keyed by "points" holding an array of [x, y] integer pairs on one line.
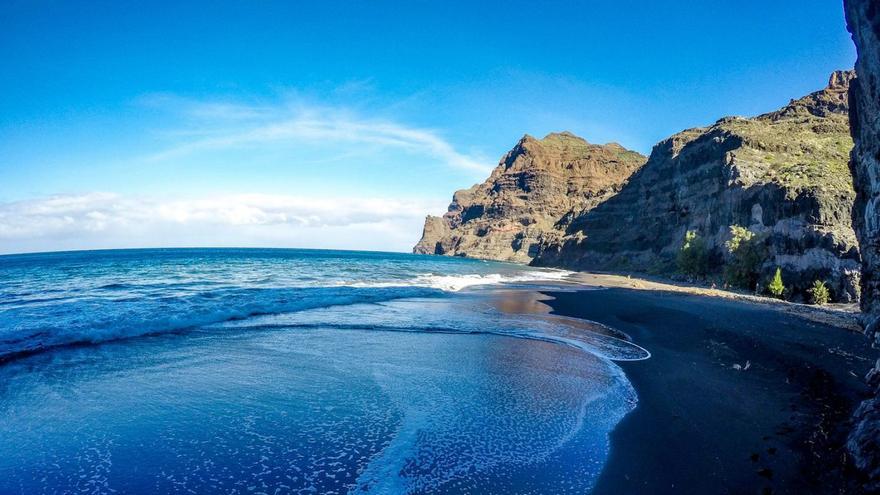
{"points": [[527, 195]]}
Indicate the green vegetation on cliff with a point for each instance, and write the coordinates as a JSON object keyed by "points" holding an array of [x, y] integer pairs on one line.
{"points": [[745, 255], [819, 293], [693, 259], [776, 288]]}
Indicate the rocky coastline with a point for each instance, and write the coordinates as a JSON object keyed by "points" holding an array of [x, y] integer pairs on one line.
{"points": [[802, 183], [782, 176]]}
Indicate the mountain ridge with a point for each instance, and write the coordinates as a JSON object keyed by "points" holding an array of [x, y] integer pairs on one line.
{"points": [[782, 175]]}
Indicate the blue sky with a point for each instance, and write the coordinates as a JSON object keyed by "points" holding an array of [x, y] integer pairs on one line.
{"points": [[341, 124]]}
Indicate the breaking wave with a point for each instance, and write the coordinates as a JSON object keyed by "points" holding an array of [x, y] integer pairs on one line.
{"points": [[456, 283], [62, 301]]}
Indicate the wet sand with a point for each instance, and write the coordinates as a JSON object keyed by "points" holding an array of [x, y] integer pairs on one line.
{"points": [[737, 397]]}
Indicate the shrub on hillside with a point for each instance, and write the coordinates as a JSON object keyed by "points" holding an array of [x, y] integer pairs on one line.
{"points": [[819, 293], [746, 253], [693, 258], [776, 287]]}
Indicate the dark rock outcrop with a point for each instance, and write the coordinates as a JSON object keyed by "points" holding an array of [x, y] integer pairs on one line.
{"points": [[783, 175], [863, 21], [534, 185]]}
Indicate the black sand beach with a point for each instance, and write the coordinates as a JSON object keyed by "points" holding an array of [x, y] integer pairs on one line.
{"points": [[737, 397]]}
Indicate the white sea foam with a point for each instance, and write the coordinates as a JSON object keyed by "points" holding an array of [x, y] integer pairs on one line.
{"points": [[455, 283], [455, 315]]}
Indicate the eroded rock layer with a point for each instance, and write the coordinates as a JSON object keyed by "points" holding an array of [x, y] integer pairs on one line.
{"points": [[532, 188], [783, 175], [863, 20]]}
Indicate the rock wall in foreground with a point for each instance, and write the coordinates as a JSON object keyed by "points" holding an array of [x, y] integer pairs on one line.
{"points": [[537, 183], [863, 21], [783, 175]]}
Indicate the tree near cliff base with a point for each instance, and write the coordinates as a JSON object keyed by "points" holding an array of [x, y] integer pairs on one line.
{"points": [[776, 287], [693, 258], [745, 254], [819, 293]]}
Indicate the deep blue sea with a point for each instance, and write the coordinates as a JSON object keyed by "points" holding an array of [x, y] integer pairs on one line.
{"points": [[298, 371]]}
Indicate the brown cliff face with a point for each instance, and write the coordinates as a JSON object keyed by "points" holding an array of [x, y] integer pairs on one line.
{"points": [[863, 21], [535, 184], [783, 175]]}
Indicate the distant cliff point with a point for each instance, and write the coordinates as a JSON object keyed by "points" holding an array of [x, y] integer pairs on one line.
{"points": [[523, 200]]}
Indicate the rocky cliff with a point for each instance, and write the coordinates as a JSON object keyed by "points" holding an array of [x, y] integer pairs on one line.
{"points": [[863, 21], [532, 188], [783, 175]]}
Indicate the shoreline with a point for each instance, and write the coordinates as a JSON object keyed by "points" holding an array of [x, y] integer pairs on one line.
{"points": [[737, 396], [834, 314]]}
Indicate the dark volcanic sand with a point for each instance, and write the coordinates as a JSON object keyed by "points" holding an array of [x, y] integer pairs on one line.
{"points": [[703, 427]]}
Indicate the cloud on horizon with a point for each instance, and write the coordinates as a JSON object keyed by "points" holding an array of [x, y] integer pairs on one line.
{"points": [[107, 220]]}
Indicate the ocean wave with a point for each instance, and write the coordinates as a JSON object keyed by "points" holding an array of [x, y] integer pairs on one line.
{"points": [[84, 298], [28, 330], [455, 283]]}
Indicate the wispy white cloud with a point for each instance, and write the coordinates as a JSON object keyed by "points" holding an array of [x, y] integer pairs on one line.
{"points": [[219, 125], [105, 220]]}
